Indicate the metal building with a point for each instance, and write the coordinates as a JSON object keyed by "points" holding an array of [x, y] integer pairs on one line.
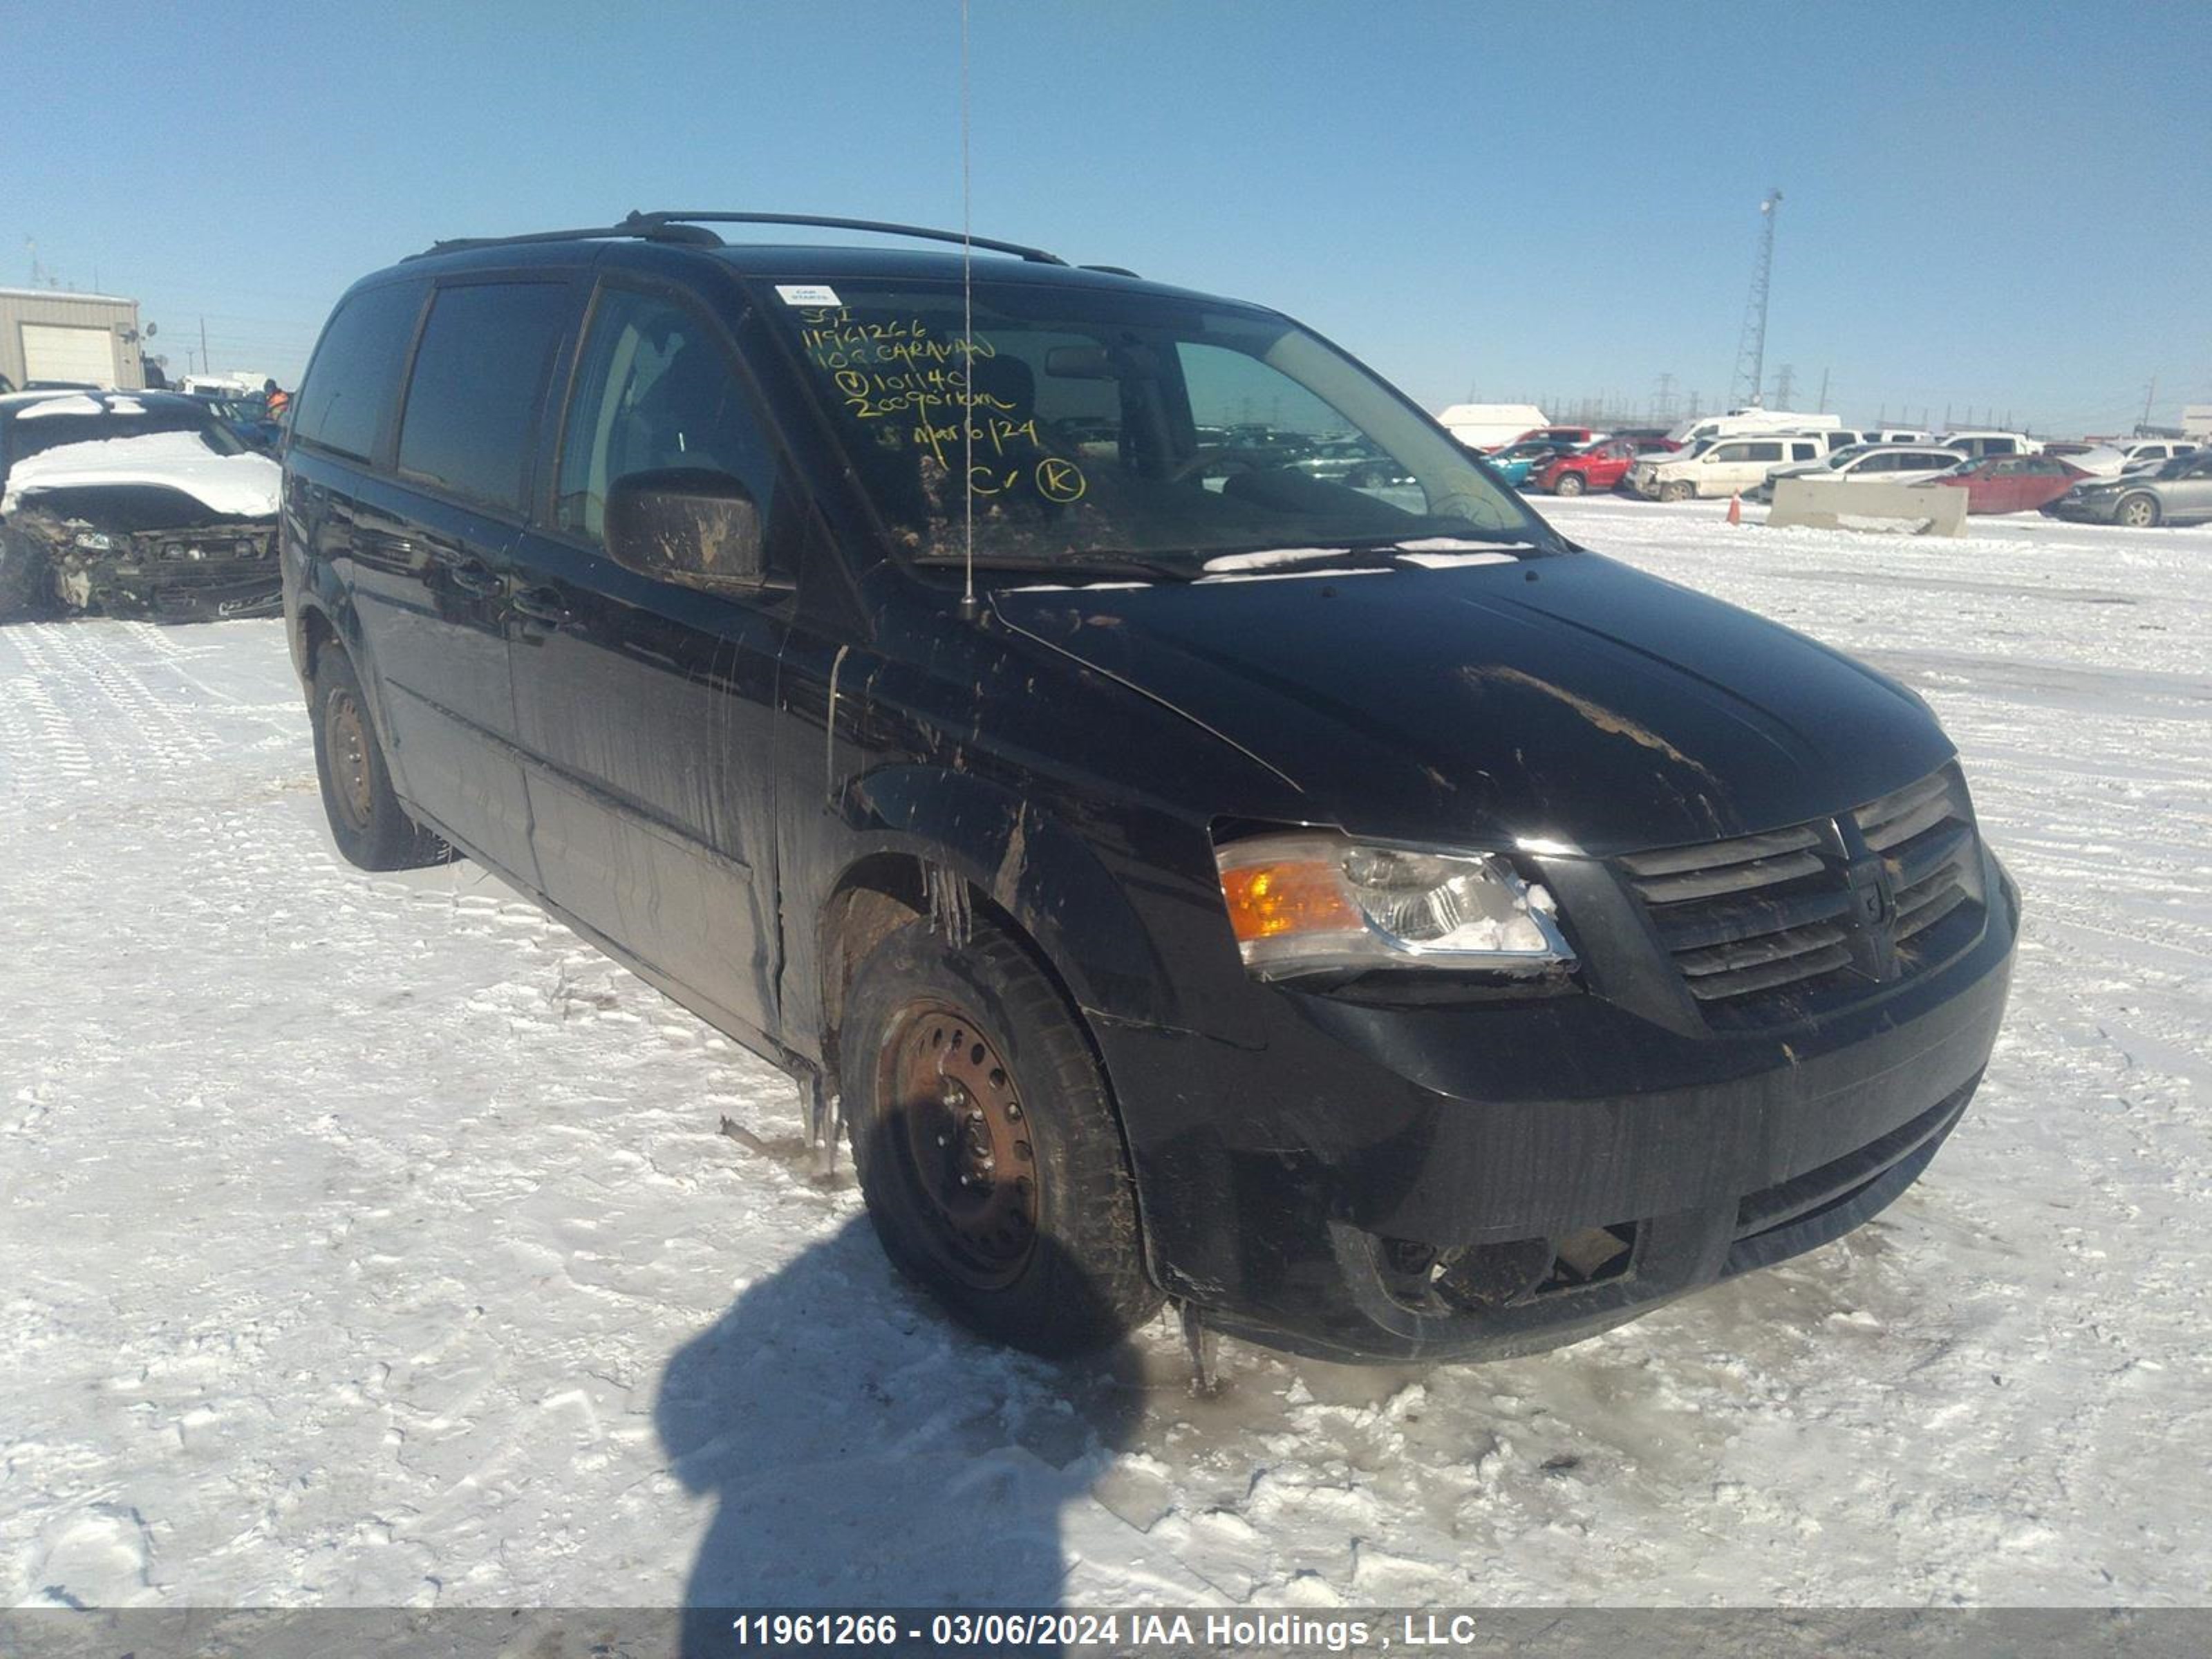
{"points": [[49, 335]]}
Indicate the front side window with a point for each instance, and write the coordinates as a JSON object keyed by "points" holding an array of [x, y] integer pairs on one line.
{"points": [[1726, 452], [1094, 425], [356, 370], [479, 374], [654, 390]]}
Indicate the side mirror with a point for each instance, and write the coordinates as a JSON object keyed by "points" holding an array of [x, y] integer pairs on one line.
{"points": [[688, 526]]}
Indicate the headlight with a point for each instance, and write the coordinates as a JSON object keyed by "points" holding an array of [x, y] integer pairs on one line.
{"points": [[1313, 902], [95, 541]]}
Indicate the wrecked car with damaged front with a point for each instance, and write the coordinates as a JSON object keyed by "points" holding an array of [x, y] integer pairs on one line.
{"points": [[132, 504], [1350, 909]]}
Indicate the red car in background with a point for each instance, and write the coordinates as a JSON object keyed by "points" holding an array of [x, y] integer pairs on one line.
{"points": [[1594, 466], [2014, 483]]}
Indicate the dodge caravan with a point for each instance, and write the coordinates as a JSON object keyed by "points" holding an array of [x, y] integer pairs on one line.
{"points": [[1354, 911]]}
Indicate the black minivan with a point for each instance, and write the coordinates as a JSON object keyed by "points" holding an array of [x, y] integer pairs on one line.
{"points": [[1352, 910]]}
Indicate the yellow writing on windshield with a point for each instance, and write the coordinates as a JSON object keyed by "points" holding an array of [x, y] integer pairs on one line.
{"points": [[895, 370]]}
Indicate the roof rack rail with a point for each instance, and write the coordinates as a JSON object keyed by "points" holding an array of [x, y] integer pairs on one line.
{"points": [[688, 229], [636, 225], [1034, 255]]}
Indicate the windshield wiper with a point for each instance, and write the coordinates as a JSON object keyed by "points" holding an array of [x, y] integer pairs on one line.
{"points": [[1265, 554]]}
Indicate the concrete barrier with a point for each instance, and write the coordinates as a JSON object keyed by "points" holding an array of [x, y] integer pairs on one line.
{"points": [[1898, 509]]}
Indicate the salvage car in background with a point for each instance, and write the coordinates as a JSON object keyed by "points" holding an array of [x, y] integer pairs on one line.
{"points": [[1595, 466], [2013, 483], [1517, 460], [1352, 461], [1720, 468], [1866, 464], [2180, 492], [140, 503], [249, 417]]}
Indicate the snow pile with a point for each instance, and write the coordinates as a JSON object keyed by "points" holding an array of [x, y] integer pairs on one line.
{"points": [[373, 1240]]}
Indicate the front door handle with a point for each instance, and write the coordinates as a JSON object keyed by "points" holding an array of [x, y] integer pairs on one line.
{"points": [[471, 577], [543, 604]]}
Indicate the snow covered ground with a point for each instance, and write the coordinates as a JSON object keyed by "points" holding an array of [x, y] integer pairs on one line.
{"points": [[372, 1240]]}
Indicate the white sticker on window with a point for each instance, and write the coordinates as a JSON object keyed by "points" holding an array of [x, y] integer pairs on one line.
{"points": [[807, 293]]}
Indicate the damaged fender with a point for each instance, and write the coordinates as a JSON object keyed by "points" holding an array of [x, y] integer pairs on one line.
{"points": [[1029, 865]]}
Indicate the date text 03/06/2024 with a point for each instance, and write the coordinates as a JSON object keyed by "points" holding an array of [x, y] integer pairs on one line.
{"points": [[1119, 1631]]}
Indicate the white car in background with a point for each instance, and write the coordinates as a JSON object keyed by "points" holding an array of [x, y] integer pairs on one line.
{"points": [[1723, 467], [1869, 463], [1978, 444], [1741, 423], [2148, 454]]}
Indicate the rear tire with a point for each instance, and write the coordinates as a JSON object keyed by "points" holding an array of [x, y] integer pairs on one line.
{"points": [[367, 820], [1678, 489], [2137, 512], [986, 1145]]}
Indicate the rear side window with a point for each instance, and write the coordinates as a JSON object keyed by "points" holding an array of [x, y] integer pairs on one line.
{"points": [[356, 370], [478, 376], [1773, 453]]}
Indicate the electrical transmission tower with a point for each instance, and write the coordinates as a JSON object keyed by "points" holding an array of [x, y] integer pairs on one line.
{"points": [[1751, 348], [1785, 385]]}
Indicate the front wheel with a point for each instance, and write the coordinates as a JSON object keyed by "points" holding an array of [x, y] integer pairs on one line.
{"points": [[370, 826], [1679, 490], [2137, 512], [986, 1145], [1569, 483]]}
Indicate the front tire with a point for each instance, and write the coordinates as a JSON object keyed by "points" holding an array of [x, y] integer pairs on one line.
{"points": [[2137, 512], [26, 586], [986, 1145], [367, 820], [1569, 483], [1678, 489]]}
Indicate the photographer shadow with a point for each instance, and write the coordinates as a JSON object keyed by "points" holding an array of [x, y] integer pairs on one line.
{"points": [[864, 1450]]}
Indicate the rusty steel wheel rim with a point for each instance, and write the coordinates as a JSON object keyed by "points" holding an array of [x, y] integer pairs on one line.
{"points": [[960, 1121], [346, 737]]}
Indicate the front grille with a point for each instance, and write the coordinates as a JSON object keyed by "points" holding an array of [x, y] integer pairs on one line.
{"points": [[1925, 837], [213, 549], [1775, 927]]}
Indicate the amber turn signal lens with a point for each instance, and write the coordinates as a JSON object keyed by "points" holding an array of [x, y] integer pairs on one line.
{"points": [[1267, 901]]}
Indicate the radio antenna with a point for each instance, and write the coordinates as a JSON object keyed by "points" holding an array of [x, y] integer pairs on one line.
{"points": [[969, 610]]}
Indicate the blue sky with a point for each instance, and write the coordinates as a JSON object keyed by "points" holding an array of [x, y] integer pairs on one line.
{"points": [[1987, 206]]}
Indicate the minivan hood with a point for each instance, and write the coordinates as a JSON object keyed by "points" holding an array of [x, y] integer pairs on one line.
{"points": [[1564, 700]]}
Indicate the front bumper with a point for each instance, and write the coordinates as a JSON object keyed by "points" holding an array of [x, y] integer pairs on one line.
{"points": [[173, 577], [2095, 509], [1389, 1182]]}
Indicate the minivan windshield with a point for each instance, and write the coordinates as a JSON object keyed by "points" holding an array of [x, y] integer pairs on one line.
{"points": [[1096, 427]]}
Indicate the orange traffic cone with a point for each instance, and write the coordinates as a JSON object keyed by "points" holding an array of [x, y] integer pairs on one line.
{"points": [[1735, 507]]}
